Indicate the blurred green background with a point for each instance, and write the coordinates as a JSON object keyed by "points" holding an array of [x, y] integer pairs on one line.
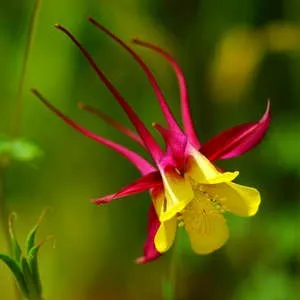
{"points": [[235, 54]]}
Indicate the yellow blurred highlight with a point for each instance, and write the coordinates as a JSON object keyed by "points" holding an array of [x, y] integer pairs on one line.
{"points": [[282, 37], [240, 52], [237, 58]]}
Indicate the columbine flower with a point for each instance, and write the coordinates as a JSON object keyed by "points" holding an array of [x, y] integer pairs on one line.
{"points": [[185, 186]]}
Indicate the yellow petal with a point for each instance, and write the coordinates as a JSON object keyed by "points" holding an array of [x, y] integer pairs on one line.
{"points": [[158, 199], [238, 199], [206, 227], [178, 193], [165, 235], [201, 170]]}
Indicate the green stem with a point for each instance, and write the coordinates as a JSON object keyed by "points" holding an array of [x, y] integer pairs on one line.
{"points": [[170, 280], [3, 209], [17, 117]]}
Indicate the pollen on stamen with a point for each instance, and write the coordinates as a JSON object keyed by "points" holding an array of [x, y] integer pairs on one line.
{"points": [[197, 212], [180, 222], [216, 201]]}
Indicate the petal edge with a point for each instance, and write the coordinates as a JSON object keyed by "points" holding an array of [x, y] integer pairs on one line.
{"points": [[237, 140]]}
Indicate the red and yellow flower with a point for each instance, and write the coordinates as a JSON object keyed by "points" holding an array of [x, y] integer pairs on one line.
{"points": [[185, 186]]}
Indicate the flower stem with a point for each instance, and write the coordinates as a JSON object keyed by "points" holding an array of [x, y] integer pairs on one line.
{"points": [[170, 281], [17, 117]]}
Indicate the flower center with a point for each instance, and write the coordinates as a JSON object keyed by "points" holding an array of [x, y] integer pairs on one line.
{"points": [[203, 206]]}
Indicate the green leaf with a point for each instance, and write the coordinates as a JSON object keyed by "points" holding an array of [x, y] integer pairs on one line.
{"points": [[33, 264], [32, 288], [16, 270], [24, 150], [32, 259], [30, 240], [16, 249]]}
